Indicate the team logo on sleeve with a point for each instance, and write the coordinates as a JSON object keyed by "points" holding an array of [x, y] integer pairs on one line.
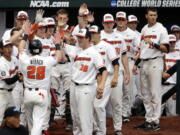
{"points": [[3, 73]]}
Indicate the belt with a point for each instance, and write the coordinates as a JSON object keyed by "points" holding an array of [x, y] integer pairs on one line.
{"points": [[30, 89], [78, 84], [167, 83], [149, 59], [9, 90], [63, 62]]}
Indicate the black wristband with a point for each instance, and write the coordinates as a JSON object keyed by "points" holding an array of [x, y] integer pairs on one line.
{"points": [[137, 62], [156, 46], [25, 37], [58, 47]]}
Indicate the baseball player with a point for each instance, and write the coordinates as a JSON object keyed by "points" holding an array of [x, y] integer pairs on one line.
{"points": [[18, 89], [36, 70], [61, 76], [40, 35], [132, 24], [136, 98], [84, 18], [87, 62], [48, 41], [154, 43], [117, 41], [132, 41], [21, 17], [8, 76], [175, 30], [170, 60], [111, 59]]}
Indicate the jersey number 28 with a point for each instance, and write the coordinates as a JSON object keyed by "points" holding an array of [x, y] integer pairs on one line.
{"points": [[36, 72]]}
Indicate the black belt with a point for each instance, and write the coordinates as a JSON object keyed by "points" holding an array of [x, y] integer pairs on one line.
{"points": [[149, 59], [79, 84], [167, 84], [30, 89], [9, 90], [63, 62]]}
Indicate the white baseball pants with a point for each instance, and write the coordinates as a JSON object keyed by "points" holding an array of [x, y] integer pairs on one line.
{"points": [[128, 92], [81, 101], [151, 77], [36, 105], [6, 100], [100, 110], [116, 102]]}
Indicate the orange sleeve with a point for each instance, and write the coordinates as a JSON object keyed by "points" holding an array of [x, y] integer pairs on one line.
{"points": [[33, 29], [61, 32]]}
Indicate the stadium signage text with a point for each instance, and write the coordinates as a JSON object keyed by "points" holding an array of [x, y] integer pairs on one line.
{"points": [[47, 3], [145, 3]]}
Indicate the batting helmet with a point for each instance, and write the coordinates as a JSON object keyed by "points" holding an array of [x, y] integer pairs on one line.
{"points": [[35, 46]]}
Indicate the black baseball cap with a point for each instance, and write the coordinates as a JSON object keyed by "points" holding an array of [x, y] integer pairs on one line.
{"points": [[11, 111]]}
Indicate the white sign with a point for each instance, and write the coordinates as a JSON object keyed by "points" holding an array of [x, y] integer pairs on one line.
{"points": [[46, 3]]}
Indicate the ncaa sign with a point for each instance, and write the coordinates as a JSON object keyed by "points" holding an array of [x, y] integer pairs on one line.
{"points": [[113, 3]]}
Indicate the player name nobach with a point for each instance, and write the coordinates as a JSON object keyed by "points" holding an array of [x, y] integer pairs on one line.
{"points": [[36, 62]]}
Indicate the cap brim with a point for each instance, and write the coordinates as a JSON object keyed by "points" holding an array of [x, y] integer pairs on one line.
{"points": [[92, 31], [15, 114], [121, 17], [22, 18], [176, 29], [133, 21], [78, 35], [108, 21]]}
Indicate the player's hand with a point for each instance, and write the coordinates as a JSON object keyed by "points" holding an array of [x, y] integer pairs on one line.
{"points": [[134, 69], [72, 40], [165, 75], [67, 35], [114, 82], [90, 17], [83, 9], [61, 22], [57, 39], [135, 57], [99, 93], [127, 78], [81, 22], [20, 76], [39, 16], [148, 41], [174, 96], [27, 28]]}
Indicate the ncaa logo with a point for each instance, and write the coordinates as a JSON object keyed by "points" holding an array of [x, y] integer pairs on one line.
{"points": [[113, 3]]}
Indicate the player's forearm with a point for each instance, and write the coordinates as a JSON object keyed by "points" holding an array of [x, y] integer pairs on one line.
{"points": [[116, 71], [98, 78], [103, 78], [163, 48], [125, 63], [14, 37], [58, 55], [22, 44]]}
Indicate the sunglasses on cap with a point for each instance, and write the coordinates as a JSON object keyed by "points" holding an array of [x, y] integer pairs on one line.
{"points": [[120, 19], [175, 31]]}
